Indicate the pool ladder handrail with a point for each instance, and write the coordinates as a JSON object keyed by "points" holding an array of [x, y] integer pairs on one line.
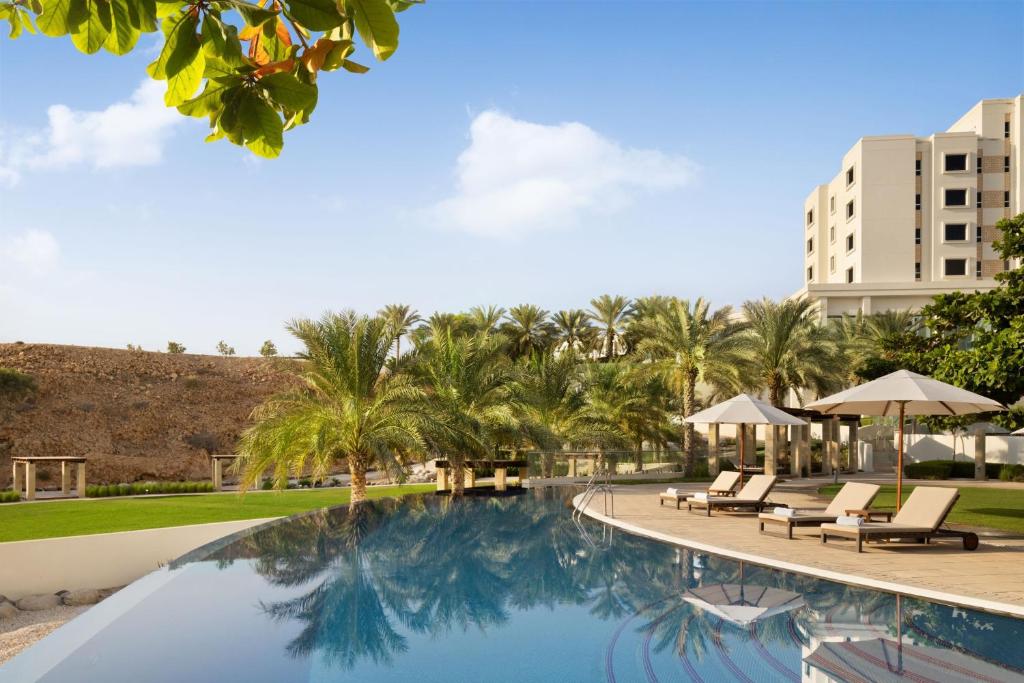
{"points": [[599, 482]]}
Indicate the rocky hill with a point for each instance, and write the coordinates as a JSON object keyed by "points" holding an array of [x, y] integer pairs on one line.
{"points": [[136, 415]]}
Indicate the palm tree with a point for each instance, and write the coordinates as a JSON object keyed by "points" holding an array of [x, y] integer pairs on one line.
{"points": [[401, 317], [611, 313], [348, 409], [528, 329], [574, 329], [485, 319], [467, 381], [783, 348], [688, 344]]}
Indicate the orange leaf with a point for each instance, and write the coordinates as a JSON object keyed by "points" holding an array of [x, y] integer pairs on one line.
{"points": [[248, 33], [313, 57], [282, 32], [274, 67]]}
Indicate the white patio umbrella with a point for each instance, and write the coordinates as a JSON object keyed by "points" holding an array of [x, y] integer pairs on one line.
{"points": [[1019, 432], [905, 393], [741, 410], [741, 604]]}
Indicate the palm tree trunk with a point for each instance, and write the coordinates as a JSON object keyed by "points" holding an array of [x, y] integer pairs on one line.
{"points": [[458, 478], [689, 399], [357, 470], [638, 457]]}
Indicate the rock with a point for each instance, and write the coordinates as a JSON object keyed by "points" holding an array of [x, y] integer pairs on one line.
{"points": [[7, 610], [34, 603], [85, 596]]}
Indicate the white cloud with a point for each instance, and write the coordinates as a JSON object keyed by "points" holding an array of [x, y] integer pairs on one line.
{"points": [[129, 133], [35, 252], [518, 177]]}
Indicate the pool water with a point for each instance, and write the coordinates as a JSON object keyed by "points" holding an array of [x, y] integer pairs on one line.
{"points": [[426, 588]]}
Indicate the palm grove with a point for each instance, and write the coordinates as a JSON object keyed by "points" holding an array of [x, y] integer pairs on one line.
{"points": [[394, 388]]}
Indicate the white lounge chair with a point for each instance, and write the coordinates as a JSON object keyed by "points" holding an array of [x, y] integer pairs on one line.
{"points": [[723, 485], [751, 497]]}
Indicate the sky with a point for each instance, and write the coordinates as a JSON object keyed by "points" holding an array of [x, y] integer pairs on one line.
{"points": [[509, 152]]}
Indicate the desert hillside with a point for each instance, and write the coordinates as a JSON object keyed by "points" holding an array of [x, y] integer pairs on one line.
{"points": [[135, 414]]}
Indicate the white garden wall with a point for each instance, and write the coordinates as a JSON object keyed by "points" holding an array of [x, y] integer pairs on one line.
{"points": [[1003, 448]]}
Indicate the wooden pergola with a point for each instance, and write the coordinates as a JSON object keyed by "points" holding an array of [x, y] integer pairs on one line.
{"points": [[799, 442], [500, 467]]}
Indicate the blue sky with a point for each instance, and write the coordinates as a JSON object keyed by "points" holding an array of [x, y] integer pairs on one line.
{"points": [[634, 148]]}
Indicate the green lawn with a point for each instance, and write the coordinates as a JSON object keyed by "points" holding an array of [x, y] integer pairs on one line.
{"points": [[985, 507], [25, 521]]}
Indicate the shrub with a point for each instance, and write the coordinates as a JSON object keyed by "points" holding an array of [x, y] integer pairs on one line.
{"points": [[727, 466], [9, 496], [15, 385], [192, 382], [267, 484], [206, 441], [306, 482], [225, 350], [929, 469], [1011, 472], [175, 347]]}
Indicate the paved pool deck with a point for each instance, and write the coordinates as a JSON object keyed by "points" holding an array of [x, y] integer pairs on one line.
{"points": [[988, 578]]}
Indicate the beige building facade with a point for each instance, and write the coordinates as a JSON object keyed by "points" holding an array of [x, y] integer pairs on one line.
{"points": [[907, 218]]}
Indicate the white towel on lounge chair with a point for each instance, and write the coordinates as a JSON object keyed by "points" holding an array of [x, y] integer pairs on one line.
{"points": [[700, 496], [672, 492], [849, 520], [784, 512]]}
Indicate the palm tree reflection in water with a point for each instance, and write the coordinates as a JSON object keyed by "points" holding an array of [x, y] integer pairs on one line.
{"points": [[374, 575]]}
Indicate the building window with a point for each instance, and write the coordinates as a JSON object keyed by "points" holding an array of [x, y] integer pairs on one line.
{"points": [[978, 199], [849, 242], [917, 270], [832, 202], [917, 167], [955, 163], [917, 235], [977, 235], [979, 162], [1006, 129], [832, 234], [810, 217], [917, 201], [810, 273], [977, 269], [849, 176], [956, 197], [1006, 164], [955, 267], [849, 275], [1006, 200], [849, 209], [832, 264], [955, 232], [810, 245]]}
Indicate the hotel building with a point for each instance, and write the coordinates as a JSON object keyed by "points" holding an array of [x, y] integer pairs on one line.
{"points": [[907, 218]]}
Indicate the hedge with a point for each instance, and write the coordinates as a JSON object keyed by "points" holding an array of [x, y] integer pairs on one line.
{"points": [[9, 496], [140, 488], [947, 469]]}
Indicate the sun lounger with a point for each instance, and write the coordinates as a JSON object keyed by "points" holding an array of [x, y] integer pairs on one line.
{"points": [[920, 518], [723, 485], [853, 498], [751, 497]]}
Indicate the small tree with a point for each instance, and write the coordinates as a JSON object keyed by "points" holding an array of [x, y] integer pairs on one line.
{"points": [[134, 347], [225, 350], [268, 349], [175, 347]]}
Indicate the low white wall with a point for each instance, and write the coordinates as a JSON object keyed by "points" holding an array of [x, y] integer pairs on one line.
{"points": [[100, 560], [998, 448]]}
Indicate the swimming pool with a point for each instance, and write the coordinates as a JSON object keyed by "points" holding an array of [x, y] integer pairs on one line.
{"points": [[425, 589]]}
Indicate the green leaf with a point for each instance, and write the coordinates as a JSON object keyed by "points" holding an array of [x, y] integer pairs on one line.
{"points": [[167, 8], [219, 70], [318, 15], [253, 15], [287, 91], [181, 62], [354, 67], [125, 33], [261, 126], [220, 40], [53, 21], [336, 57], [14, 18], [376, 25], [90, 36], [207, 102], [26, 20]]}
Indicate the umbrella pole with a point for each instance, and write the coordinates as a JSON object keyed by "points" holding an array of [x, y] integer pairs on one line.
{"points": [[742, 439], [899, 462]]}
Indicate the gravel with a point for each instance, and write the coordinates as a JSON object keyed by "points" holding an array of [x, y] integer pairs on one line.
{"points": [[24, 629]]}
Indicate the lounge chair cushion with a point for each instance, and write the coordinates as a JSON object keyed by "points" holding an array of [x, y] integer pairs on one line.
{"points": [[869, 528], [725, 481], [926, 507], [802, 517], [853, 496]]}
